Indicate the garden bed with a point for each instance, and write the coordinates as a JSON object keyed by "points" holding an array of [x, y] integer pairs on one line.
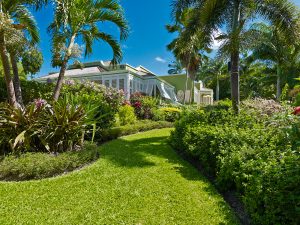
{"points": [[32, 166]]}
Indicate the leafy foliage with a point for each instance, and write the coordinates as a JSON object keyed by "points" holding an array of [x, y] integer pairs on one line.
{"points": [[42, 165], [42, 127], [144, 106], [126, 115], [255, 153]]}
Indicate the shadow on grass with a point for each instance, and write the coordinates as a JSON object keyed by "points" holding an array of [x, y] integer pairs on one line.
{"points": [[138, 154]]}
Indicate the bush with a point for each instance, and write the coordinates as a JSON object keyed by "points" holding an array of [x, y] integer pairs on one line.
{"points": [[144, 106], [42, 165], [139, 126], [170, 114], [258, 158], [126, 115], [41, 127]]}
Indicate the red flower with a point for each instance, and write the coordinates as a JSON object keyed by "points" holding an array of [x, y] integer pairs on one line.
{"points": [[137, 104], [297, 110]]}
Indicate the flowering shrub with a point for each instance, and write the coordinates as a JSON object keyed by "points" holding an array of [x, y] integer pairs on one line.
{"points": [[143, 105]]}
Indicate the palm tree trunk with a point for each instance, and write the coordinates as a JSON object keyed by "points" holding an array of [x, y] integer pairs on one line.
{"points": [[16, 80], [278, 85], [235, 82], [60, 80], [218, 89], [7, 75], [63, 69]]}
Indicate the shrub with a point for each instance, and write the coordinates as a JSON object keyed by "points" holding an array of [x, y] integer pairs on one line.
{"points": [[41, 127], [144, 106], [41, 165], [139, 126], [171, 114], [126, 115], [258, 158]]}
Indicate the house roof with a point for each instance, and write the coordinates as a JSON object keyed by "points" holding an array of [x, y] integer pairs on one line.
{"points": [[76, 72]]}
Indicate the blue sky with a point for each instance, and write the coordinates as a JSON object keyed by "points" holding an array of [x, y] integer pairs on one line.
{"points": [[145, 46]]}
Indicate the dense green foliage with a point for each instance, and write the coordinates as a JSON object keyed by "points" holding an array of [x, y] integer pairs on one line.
{"points": [[255, 153], [126, 115], [139, 126], [40, 165], [41, 127], [137, 180]]}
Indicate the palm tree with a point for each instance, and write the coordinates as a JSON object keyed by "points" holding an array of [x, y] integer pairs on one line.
{"points": [[175, 67], [213, 69], [276, 48], [186, 49], [77, 20], [213, 15], [15, 18]]}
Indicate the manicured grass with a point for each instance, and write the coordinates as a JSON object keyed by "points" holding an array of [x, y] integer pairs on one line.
{"points": [[139, 179]]}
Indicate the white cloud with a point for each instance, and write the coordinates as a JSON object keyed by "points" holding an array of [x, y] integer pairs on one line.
{"points": [[159, 59], [217, 43], [125, 46]]}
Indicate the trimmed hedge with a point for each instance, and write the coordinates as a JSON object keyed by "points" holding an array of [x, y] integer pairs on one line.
{"points": [[31, 166], [139, 126], [254, 157]]}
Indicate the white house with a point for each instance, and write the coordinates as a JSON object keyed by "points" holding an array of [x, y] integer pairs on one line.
{"points": [[127, 78]]}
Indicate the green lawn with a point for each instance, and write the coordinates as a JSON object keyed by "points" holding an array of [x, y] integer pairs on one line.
{"points": [[139, 179]]}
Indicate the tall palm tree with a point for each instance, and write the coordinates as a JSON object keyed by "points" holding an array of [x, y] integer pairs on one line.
{"points": [[235, 15], [275, 47], [186, 48], [78, 20], [15, 17]]}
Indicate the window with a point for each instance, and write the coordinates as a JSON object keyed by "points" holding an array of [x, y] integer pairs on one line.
{"points": [[106, 83], [114, 83], [141, 87], [131, 86], [122, 84]]}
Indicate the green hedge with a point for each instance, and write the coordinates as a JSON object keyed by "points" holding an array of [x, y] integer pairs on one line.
{"points": [[139, 126], [30, 166], [245, 154]]}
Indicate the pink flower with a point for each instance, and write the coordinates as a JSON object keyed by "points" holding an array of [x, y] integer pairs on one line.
{"points": [[39, 103]]}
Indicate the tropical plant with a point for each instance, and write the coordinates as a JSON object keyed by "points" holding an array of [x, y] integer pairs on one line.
{"points": [[211, 16], [78, 20], [15, 18], [213, 69], [175, 67], [275, 47], [41, 127], [186, 48]]}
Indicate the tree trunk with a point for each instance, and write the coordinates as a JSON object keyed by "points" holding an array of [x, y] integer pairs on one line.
{"points": [[60, 80], [278, 85], [7, 75], [63, 69], [235, 82], [16, 79], [218, 89]]}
